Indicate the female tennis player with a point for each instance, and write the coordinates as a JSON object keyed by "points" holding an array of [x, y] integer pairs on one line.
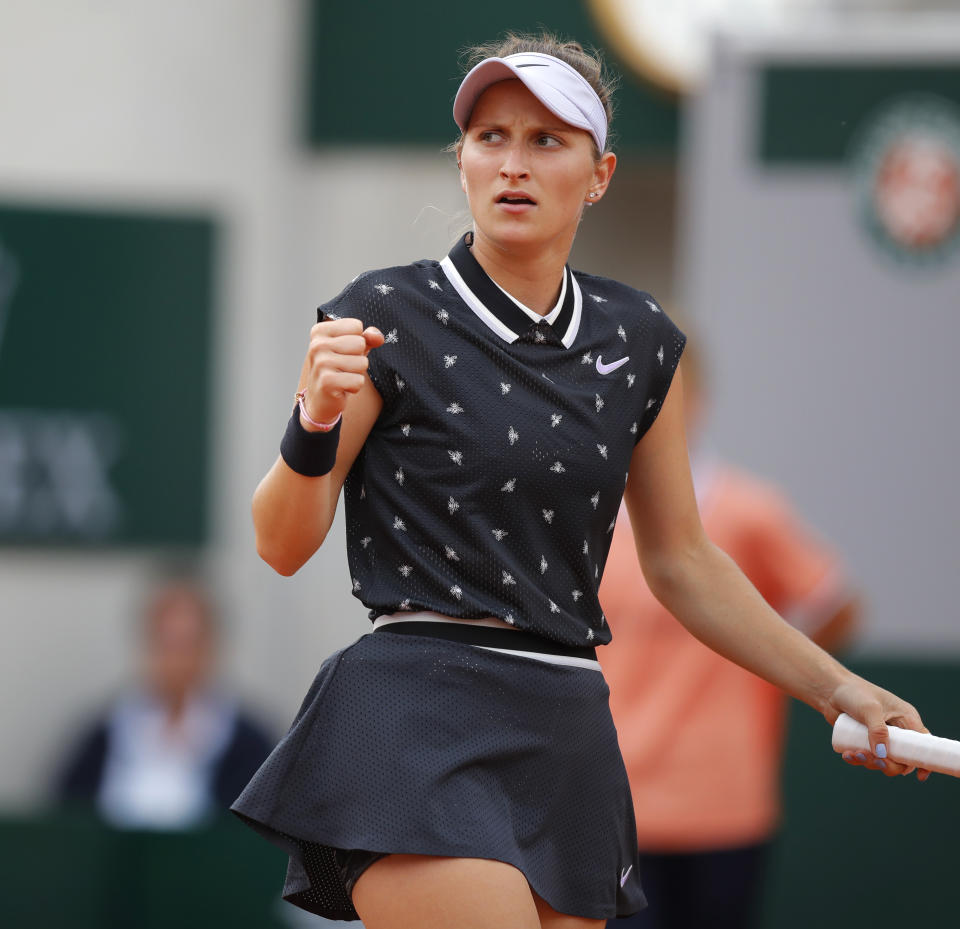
{"points": [[484, 415]]}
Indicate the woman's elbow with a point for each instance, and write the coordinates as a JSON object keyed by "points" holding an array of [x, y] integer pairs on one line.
{"points": [[284, 540], [669, 574], [284, 558], [279, 560], [662, 580]]}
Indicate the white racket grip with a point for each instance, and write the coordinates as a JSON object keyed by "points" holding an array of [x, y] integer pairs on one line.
{"points": [[904, 745]]}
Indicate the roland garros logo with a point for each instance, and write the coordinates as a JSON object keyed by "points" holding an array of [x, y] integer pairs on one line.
{"points": [[907, 174]]}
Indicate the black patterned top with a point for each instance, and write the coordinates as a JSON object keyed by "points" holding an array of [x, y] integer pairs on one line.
{"points": [[490, 483]]}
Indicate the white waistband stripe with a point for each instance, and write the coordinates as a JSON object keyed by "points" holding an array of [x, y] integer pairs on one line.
{"points": [[428, 616]]}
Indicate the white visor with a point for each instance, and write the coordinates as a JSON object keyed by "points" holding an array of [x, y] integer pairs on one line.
{"points": [[559, 87]]}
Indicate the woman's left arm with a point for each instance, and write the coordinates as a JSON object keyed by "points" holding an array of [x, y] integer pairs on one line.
{"points": [[706, 591]]}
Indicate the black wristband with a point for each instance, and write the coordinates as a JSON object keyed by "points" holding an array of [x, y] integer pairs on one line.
{"points": [[311, 454]]}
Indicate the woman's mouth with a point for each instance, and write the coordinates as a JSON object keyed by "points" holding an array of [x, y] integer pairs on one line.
{"points": [[515, 201]]}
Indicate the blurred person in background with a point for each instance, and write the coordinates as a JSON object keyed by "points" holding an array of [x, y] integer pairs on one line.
{"points": [[701, 737], [173, 750]]}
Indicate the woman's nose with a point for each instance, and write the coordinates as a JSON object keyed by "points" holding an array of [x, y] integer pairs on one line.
{"points": [[514, 163]]}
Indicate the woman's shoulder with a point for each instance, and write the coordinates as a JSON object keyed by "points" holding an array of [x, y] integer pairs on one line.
{"points": [[606, 290], [621, 301], [384, 286]]}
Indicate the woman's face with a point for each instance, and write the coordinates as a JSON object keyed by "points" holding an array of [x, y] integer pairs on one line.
{"points": [[527, 173]]}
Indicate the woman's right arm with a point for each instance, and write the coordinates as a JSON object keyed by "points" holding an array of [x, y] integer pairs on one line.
{"points": [[292, 513]]}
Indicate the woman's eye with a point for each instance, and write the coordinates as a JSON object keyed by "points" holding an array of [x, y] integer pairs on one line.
{"points": [[489, 136], [547, 141]]}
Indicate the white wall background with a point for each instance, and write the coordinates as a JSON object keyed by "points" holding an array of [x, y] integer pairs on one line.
{"points": [[188, 105]]}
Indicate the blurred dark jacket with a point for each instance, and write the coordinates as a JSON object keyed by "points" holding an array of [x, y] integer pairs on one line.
{"points": [[121, 765]]}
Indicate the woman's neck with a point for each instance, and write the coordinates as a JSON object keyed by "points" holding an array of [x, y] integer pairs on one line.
{"points": [[534, 279]]}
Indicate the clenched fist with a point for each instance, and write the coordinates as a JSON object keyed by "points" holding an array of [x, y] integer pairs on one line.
{"points": [[335, 366]]}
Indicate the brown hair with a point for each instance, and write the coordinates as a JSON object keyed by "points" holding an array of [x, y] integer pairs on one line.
{"points": [[589, 64]]}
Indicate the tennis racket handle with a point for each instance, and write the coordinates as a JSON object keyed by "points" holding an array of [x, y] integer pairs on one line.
{"points": [[904, 745]]}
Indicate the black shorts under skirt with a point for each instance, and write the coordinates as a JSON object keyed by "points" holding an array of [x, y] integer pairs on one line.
{"points": [[409, 744]]}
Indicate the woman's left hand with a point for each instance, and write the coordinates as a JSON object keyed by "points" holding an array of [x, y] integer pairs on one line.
{"points": [[875, 707]]}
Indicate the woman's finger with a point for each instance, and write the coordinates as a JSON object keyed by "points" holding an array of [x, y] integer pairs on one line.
{"points": [[374, 337], [868, 760], [334, 361], [354, 344], [336, 383], [329, 327], [876, 723]]}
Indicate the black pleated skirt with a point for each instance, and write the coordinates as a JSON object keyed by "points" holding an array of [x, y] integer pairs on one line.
{"points": [[410, 744]]}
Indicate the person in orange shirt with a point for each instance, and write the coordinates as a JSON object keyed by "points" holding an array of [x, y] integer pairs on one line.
{"points": [[701, 737]]}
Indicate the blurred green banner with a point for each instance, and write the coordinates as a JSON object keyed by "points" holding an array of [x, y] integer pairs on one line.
{"points": [[385, 73], [105, 333], [811, 114]]}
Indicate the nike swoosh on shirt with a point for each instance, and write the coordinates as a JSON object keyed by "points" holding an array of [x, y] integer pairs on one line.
{"points": [[606, 369], [624, 875]]}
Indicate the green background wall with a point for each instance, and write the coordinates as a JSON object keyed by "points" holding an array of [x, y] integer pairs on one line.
{"points": [[382, 72], [104, 376], [810, 114]]}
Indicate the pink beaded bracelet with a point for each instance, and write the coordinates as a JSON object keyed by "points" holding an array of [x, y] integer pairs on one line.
{"points": [[323, 427]]}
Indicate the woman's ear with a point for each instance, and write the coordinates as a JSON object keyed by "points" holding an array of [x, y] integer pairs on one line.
{"points": [[602, 175]]}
